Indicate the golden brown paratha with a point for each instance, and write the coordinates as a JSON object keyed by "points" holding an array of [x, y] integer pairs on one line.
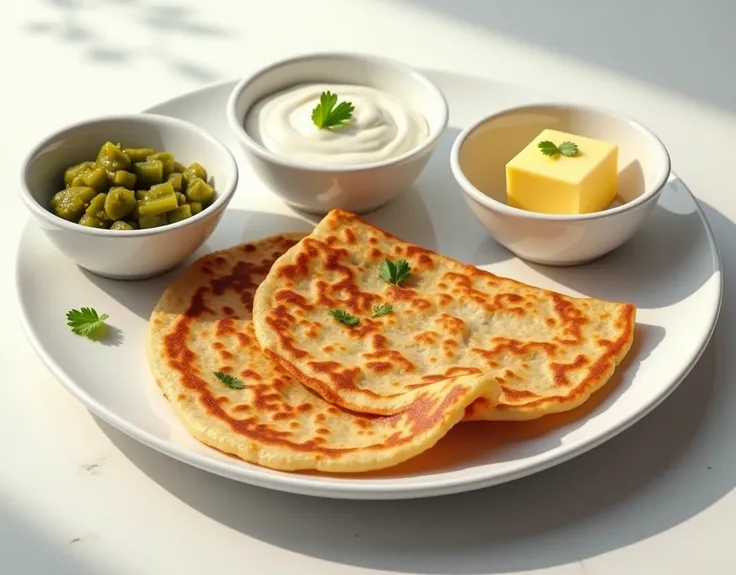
{"points": [[202, 324], [548, 351]]}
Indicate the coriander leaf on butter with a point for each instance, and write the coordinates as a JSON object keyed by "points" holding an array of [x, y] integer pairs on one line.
{"points": [[230, 380], [344, 317], [85, 321], [382, 309], [327, 114], [394, 272], [566, 148]]}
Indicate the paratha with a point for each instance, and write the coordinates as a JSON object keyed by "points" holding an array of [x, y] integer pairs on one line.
{"points": [[202, 324], [548, 351]]}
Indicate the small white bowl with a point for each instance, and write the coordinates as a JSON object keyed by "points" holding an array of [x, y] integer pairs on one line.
{"points": [[356, 188], [481, 151], [134, 254]]}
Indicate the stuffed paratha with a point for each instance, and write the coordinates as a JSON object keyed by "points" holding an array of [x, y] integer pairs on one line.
{"points": [[204, 356], [368, 321]]}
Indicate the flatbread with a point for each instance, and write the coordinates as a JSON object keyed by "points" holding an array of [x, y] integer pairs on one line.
{"points": [[548, 351], [202, 324]]}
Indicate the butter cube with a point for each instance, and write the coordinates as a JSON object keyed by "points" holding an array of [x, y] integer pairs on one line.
{"points": [[579, 184]]}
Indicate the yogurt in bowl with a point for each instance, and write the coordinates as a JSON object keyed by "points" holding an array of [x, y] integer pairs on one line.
{"points": [[336, 130], [380, 125]]}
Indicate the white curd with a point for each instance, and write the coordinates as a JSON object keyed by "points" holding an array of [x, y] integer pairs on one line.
{"points": [[381, 127]]}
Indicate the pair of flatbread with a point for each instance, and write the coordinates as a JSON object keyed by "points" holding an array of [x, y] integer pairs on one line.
{"points": [[350, 350]]}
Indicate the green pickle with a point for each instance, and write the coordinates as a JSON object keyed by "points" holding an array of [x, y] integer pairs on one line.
{"points": [[93, 222], [112, 158], [166, 159], [71, 202], [78, 182], [131, 188], [95, 178], [153, 206], [146, 222], [149, 173], [76, 170], [96, 207], [124, 179], [161, 190], [199, 191], [120, 203], [121, 225], [138, 154], [177, 180], [179, 214], [193, 171]]}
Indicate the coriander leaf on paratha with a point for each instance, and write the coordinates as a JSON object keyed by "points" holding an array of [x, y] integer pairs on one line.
{"points": [[548, 351], [204, 356]]}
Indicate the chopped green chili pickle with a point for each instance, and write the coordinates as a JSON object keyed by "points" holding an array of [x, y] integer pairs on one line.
{"points": [[127, 188], [180, 213], [138, 154], [124, 179], [158, 205], [121, 225], [199, 191], [71, 203], [152, 221], [148, 173], [112, 158], [95, 178], [177, 180], [120, 203]]}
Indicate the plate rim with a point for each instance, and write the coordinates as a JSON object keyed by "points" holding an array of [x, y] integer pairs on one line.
{"points": [[338, 487]]}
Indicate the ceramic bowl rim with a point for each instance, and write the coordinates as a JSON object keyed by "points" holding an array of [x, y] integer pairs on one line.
{"points": [[492, 204], [236, 124], [224, 194]]}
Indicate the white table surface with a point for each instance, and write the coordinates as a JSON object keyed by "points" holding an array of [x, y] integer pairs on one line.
{"points": [[77, 497]]}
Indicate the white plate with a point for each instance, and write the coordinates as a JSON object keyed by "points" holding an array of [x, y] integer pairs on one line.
{"points": [[671, 271]]}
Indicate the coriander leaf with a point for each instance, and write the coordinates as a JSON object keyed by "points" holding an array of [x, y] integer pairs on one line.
{"points": [[85, 321], [568, 149], [344, 317], [383, 309], [326, 115], [230, 380], [394, 272], [548, 148]]}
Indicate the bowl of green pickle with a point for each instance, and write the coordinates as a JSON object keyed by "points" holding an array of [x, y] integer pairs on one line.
{"points": [[129, 196]]}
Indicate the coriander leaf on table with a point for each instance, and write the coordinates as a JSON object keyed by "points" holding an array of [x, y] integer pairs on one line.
{"points": [[86, 321]]}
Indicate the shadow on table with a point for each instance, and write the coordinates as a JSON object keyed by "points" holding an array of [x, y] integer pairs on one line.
{"points": [[25, 549], [654, 52], [71, 24], [671, 466]]}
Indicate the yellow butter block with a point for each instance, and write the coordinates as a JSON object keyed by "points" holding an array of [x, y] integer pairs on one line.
{"points": [[579, 184]]}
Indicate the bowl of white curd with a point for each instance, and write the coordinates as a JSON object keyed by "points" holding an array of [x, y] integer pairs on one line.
{"points": [[337, 130]]}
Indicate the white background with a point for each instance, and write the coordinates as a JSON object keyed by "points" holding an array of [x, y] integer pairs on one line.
{"points": [[77, 497]]}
